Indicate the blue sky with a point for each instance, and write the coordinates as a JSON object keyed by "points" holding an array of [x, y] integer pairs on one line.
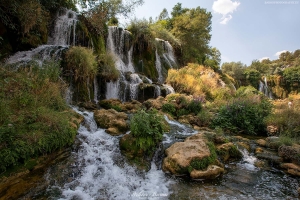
{"points": [[243, 30]]}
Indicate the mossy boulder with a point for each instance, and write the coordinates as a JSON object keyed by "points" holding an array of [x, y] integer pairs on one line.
{"points": [[228, 151], [195, 155], [113, 121], [212, 171]]}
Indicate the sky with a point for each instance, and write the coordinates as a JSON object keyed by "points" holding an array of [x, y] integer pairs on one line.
{"points": [[242, 30]]}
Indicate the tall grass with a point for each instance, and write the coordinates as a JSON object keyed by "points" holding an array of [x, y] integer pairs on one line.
{"points": [[33, 120]]}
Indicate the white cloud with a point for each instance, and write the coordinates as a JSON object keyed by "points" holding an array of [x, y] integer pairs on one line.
{"points": [[226, 19], [225, 7], [263, 58], [280, 52]]}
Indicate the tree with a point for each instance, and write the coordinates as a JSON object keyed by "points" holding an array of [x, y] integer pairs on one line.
{"points": [[213, 59], [163, 15], [192, 27], [234, 69], [259, 66]]}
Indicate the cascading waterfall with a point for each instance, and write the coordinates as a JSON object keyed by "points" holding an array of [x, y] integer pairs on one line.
{"points": [[112, 90], [60, 40], [263, 87], [158, 67], [96, 88], [157, 91], [64, 29], [169, 89], [135, 81], [105, 173], [169, 55]]}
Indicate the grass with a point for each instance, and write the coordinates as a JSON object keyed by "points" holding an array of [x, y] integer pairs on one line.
{"points": [[33, 117]]}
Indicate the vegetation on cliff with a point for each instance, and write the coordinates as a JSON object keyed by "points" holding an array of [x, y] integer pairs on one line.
{"points": [[35, 119]]}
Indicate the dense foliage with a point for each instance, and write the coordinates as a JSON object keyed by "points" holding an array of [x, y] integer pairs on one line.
{"points": [[244, 115], [33, 118], [147, 128], [198, 80]]}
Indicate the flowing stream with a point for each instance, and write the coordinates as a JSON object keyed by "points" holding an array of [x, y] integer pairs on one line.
{"points": [[96, 169]]}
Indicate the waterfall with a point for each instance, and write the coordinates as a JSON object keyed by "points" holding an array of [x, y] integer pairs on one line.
{"points": [[118, 43], [135, 81], [170, 55], [112, 90], [263, 87], [65, 24], [64, 28], [158, 67], [248, 161], [104, 173], [96, 88], [157, 91], [169, 89]]}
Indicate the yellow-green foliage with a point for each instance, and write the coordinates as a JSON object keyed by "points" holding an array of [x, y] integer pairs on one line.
{"points": [[33, 118], [81, 62], [197, 80], [107, 67]]}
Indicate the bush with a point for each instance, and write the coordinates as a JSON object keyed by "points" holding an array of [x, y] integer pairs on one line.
{"points": [[107, 68], [81, 63], [33, 120], [147, 128], [169, 108], [287, 121], [244, 116]]}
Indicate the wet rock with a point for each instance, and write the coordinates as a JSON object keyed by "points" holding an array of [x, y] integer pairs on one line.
{"points": [[261, 142], [272, 142], [298, 190], [227, 151], [290, 153], [113, 121], [212, 171], [272, 130], [244, 145], [270, 156], [154, 103], [258, 150], [192, 154], [291, 168]]}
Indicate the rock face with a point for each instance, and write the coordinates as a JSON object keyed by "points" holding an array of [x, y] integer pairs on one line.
{"points": [[113, 121], [194, 156]]}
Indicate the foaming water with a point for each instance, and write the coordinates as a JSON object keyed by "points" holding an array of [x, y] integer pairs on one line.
{"points": [[105, 173]]}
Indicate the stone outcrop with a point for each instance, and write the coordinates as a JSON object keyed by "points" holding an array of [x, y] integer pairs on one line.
{"points": [[291, 168], [194, 156], [113, 121]]}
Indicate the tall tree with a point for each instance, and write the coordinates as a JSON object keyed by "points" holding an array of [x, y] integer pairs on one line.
{"points": [[192, 27]]}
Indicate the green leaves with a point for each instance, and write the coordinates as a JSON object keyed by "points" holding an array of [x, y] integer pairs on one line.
{"points": [[147, 128]]}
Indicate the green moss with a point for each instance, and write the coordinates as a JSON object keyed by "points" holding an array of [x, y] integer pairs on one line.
{"points": [[235, 153], [202, 164]]}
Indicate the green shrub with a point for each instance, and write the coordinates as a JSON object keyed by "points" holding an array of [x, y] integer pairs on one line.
{"points": [[244, 115], [33, 120], [204, 117], [147, 128], [202, 164], [81, 62], [107, 68], [169, 108], [287, 121], [195, 106]]}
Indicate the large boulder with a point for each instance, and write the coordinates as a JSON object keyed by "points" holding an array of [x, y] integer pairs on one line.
{"points": [[291, 168], [113, 121], [290, 153], [195, 155]]}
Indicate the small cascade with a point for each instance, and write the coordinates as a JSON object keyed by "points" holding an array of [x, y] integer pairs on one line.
{"points": [[96, 89], [104, 172], [263, 87], [119, 43], [112, 90], [158, 67], [62, 36], [157, 91], [69, 95], [169, 89], [248, 161], [64, 28], [135, 81], [170, 54], [38, 55]]}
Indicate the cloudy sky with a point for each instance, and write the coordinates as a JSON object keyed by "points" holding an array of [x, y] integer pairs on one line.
{"points": [[243, 30]]}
